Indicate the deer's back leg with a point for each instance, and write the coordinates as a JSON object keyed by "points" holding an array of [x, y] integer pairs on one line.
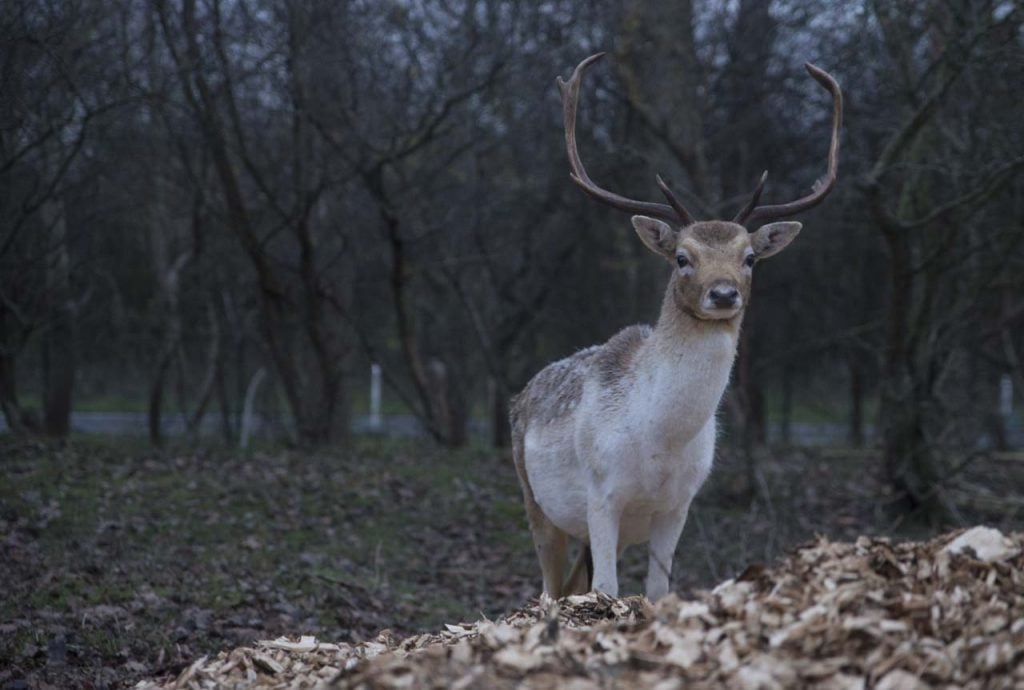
{"points": [[550, 542], [552, 546]]}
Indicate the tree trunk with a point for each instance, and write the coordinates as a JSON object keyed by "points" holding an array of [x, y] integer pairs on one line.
{"points": [[325, 415], [59, 376], [168, 280], [997, 430], [453, 394], [756, 420], [786, 422], [999, 409], [18, 422], [58, 339], [206, 388], [154, 410], [906, 453], [248, 407], [501, 426], [227, 426], [908, 457], [855, 435], [746, 397], [448, 405], [430, 378], [309, 358]]}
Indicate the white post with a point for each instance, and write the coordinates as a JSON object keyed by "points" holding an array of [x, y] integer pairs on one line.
{"points": [[1006, 397], [248, 408], [376, 422]]}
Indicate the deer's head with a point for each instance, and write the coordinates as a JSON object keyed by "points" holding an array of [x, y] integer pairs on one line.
{"points": [[714, 259]]}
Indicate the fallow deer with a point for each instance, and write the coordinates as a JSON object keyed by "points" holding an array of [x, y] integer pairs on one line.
{"points": [[612, 443]]}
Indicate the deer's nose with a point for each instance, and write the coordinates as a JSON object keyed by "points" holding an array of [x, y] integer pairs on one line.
{"points": [[724, 297]]}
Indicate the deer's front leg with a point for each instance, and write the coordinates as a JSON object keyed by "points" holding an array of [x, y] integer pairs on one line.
{"points": [[603, 517], [665, 531]]}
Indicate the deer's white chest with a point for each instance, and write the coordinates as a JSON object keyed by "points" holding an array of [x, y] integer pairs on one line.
{"points": [[645, 447], [675, 394]]}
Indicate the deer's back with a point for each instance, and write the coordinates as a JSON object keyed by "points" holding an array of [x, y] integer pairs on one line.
{"points": [[554, 394]]}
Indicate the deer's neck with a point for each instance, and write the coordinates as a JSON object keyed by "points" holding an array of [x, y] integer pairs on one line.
{"points": [[686, 369]]}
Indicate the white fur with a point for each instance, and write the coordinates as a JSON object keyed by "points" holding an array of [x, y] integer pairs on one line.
{"points": [[622, 469]]}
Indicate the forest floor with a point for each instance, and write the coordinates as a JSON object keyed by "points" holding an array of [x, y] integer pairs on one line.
{"points": [[119, 562]]}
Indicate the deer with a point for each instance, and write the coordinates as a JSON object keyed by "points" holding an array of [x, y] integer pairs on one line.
{"points": [[612, 443]]}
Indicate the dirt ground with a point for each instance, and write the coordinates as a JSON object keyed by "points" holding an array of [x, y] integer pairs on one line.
{"points": [[120, 563]]}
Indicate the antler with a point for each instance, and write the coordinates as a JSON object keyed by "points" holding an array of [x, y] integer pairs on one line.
{"points": [[674, 202], [745, 212], [570, 97], [753, 214]]}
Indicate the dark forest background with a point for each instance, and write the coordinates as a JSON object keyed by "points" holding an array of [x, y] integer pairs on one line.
{"points": [[217, 215], [209, 201]]}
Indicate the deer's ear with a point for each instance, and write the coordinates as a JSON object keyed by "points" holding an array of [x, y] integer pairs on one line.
{"points": [[773, 238], [658, 235]]}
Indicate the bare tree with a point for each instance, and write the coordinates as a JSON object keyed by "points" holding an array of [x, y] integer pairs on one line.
{"points": [[44, 125], [308, 350], [928, 193], [404, 144]]}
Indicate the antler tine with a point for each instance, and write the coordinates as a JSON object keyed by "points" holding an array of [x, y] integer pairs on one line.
{"points": [[744, 213], [570, 97], [684, 215], [823, 186]]}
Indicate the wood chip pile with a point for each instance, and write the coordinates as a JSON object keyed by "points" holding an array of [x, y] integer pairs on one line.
{"points": [[871, 614]]}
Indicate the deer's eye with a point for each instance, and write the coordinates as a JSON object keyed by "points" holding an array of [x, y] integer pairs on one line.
{"points": [[682, 260], [749, 261]]}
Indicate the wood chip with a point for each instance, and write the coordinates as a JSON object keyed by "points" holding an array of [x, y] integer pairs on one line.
{"points": [[838, 616]]}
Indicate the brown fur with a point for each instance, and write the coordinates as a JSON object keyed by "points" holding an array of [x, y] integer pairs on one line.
{"points": [[549, 394], [676, 323], [714, 232], [558, 387], [614, 359], [716, 250]]}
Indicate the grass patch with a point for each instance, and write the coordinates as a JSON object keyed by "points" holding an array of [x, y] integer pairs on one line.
{"points": [[109, 540]]}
